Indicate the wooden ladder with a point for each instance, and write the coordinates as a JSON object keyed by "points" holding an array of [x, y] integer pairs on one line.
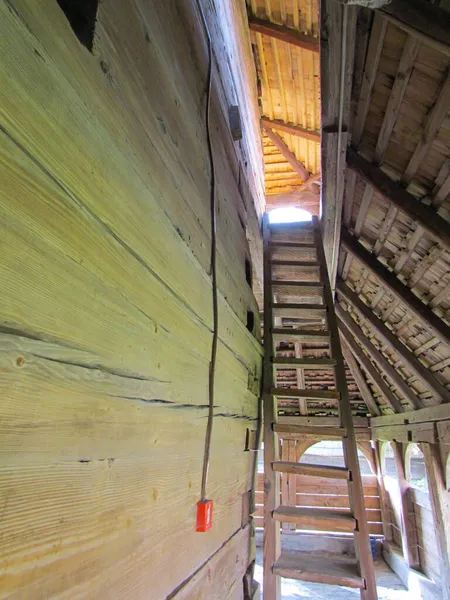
{"points": [[285, 247]]}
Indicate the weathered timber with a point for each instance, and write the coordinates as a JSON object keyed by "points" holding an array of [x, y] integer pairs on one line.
{"points": [[427, 217], [306, 134], [428, 22], [393, 342], [389, 280], [283, 33], [378, 358]]}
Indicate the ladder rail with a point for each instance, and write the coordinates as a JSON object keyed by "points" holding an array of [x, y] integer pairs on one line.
{"points": [[278, 564], [355, 487], [271, 539]]}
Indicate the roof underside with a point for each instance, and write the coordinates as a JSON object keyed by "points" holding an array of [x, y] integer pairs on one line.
{"points": [[393, 261]]}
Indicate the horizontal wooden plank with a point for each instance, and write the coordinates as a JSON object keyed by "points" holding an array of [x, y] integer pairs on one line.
{"points": [[422, 415], [318, 519], [322, 471], [319, 569]]}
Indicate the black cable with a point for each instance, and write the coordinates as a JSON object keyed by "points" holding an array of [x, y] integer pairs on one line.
{"points": [[212, 201]]}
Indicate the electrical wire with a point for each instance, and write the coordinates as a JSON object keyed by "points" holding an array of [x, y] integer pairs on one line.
{"points": [[212, 202]]}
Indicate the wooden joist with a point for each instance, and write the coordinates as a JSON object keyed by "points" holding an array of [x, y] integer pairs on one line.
{"points": [[309, 394], [291, 129], [283, 33], [313, 470], [393, 342], [424, 20], [437, 227], [390, 281]]}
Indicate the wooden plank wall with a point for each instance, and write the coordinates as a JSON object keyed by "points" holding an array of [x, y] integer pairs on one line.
{"points": [[106, 308]]}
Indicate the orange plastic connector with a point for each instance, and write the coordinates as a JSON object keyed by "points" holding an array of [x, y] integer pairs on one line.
{"points": [[204, 515]]}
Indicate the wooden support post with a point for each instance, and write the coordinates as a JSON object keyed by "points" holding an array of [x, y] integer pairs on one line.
{"points": [[393, 342], [283, 33], [440, 506], [271, 542], [332, 20], [408, 524], [291, 479], [384, 506], [389, 280]]}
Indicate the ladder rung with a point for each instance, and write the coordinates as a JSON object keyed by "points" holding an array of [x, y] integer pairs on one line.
{"points": [[292, 225], [318, 519], [313, 470], [315, 432], [306, 245], [301, 284], [311, 394], [299, 335], [319, 569], [304, 363], [299, 310], [304, 264]]}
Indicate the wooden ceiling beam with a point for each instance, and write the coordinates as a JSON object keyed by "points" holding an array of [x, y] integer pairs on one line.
{"points": [[390, 281], [379, 359], [392, 341], [283, 33], [424, 215], [386, 393], [287, 154], [306, 134], [427, 21]]}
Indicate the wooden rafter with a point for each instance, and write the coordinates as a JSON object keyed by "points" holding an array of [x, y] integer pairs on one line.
{"points": [[425, 216], [428, 22], [381, 361], [390, 281], [370, 71], [385, 391], [298, 167], [359, 378], [392, 341], [307, 134], [283, 33], [396, 96], [431, 127]]}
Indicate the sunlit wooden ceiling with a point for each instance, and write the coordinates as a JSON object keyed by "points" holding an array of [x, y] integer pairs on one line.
{"points": [[289, 93]]}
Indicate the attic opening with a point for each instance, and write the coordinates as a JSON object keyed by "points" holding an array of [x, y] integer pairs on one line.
{"points": [[82, 15], [289, 214]]}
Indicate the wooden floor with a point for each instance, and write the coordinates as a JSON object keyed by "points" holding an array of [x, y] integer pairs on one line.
{"points": [[389, 586]]}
